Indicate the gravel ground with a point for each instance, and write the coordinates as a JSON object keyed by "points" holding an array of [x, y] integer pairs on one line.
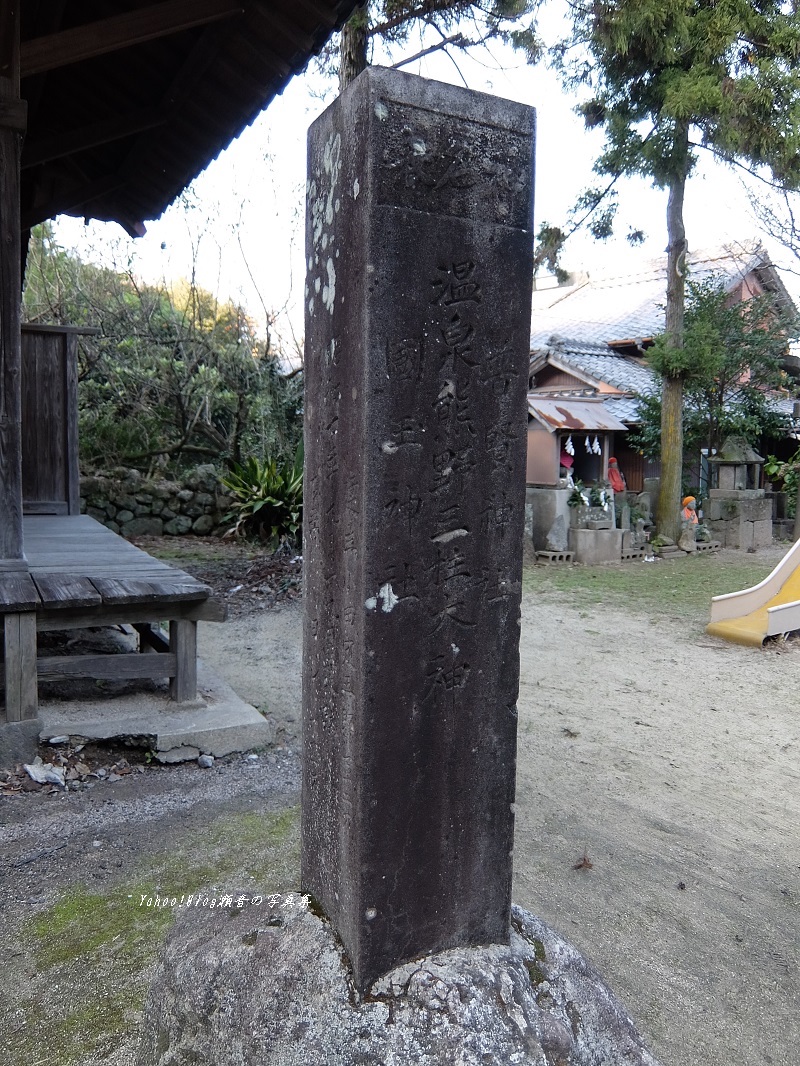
{"points": [[658, 799]]}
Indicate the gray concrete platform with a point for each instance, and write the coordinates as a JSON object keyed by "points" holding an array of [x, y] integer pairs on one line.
{"points": [[217, 723]]}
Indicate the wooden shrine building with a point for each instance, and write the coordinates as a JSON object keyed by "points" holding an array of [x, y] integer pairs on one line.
{"points": [[107, 111]]}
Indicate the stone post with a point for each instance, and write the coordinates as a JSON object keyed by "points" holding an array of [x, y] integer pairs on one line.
{"points": [[418, 246]]}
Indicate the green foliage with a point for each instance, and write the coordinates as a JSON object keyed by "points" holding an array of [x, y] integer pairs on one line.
{"points": [[394, 20], [439, 25], [269, 499], [730, 360], [549, 242], [729, 70], [174, 375], [664, 78], [787, 473]]}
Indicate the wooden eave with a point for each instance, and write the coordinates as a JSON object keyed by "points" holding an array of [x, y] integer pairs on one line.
{"points": [[129, 101]]}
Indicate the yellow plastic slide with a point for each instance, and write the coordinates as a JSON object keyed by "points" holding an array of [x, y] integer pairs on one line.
{"points": [[766, 610]]}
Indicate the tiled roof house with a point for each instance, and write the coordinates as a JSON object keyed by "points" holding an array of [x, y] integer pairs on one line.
{"points": [[587, 349]]}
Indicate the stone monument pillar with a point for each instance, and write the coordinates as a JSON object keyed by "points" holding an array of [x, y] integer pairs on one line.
{"points": [[418, 247]]}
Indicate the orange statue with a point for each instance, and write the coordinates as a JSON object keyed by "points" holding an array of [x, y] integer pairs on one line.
{"points": [[615, 476]]}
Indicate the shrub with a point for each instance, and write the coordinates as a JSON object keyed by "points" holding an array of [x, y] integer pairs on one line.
{"points": [[268, 500]]}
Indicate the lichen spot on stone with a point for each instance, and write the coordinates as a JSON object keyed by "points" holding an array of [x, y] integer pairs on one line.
{"points": [[356, 189], [381, 110], [371, 603], [390, 601], [418, 146], [453, 534], [370, 913], [329, 291]]}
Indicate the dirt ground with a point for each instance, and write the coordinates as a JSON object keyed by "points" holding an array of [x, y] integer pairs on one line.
{"points": [[658, 795]]}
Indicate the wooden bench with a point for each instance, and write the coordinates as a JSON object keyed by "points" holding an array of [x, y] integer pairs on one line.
{"points": [[82, 575]]}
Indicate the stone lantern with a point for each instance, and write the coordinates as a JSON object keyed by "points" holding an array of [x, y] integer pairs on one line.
{"points": [[736, 466], [737, 511]]}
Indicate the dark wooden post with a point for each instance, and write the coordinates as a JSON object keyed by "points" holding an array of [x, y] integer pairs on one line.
{"points": [[12, 125], [419, 255]]}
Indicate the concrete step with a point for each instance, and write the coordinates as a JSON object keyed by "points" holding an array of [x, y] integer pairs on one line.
{"points": [[670, 551], [217, 723]]}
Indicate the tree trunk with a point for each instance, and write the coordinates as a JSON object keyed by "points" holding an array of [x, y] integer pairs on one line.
{"points": [[353, 47], [668, 519]]}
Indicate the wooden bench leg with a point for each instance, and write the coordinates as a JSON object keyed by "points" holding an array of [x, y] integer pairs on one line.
{"points": [[183, 645], [19, 636]]}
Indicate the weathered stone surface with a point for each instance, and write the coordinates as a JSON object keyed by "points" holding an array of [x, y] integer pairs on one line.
{"points": [[544, 505], [557, 536], [595, 546], [177, 526], [417, 316], [267, 986], [202, 525], [686, 541], [762, 533], [18, 741], [143, 527], [756, 510]]}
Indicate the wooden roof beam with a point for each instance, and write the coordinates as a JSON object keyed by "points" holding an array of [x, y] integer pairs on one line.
{"points": [[72, 200], [121, 31], [298, 37], [71, 142], [320, 12]]}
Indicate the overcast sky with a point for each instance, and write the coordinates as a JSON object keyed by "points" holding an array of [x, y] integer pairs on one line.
{"points": [[241, 223]]}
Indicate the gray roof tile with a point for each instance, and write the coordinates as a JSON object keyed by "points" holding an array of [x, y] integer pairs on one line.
{"points": [[628, 304]]}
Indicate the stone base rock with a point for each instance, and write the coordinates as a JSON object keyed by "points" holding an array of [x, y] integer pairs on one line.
{"points": [[19, 741], [687, 542], [269, 986]]}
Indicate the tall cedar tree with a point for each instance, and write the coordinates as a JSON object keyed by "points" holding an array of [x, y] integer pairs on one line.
{"points": [[668, 77], [454, 24]]}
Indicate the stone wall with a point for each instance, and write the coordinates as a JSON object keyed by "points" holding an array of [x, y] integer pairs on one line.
{"points": [[739, 519], [130, 504]]}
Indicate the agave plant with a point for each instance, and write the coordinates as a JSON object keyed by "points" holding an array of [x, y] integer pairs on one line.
{"points": [[268, 499]]}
